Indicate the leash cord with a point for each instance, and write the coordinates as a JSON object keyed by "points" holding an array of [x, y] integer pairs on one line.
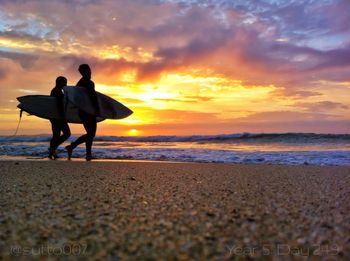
{"points": [[19, 121]]}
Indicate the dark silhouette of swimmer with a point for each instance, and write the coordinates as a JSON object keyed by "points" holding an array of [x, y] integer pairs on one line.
{"points": [[58, 125], [89, 120]]}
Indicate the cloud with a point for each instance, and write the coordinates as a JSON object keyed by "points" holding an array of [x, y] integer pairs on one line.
{"points": [[3, 72], [106, 71], [174, 116], [234, 40], [333, 58], [322, 106], [295, 94], [129, 100], [25, 60], [19, 35], [287, 116], [199, 98], [241, 44], [187, 99]]}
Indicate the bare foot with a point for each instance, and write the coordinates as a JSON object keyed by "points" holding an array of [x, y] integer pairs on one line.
{"points": [[89, 157], [69, 151], [52, 154]]}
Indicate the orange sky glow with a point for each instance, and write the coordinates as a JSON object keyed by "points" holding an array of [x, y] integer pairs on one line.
{"points": [[184, 69]]}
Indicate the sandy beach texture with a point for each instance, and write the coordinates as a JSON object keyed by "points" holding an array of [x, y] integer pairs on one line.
{"points": [[173, 211]]}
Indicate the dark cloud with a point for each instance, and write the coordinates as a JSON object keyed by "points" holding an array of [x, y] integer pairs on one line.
{"points": [[322, 106], [3, 73], [19, 35], [337, 15], [333, 58], [287, 116], [296, 94], [25, 60], [106, 71]]}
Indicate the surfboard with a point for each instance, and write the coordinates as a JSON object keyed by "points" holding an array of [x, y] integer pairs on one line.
{"points": [[109, 108], [45, 106], [76, 98]]}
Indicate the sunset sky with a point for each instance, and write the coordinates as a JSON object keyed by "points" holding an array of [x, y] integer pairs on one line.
{"points": [[184, 67]]}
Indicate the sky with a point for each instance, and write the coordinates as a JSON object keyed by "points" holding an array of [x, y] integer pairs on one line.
{"points": [[185, 67]]}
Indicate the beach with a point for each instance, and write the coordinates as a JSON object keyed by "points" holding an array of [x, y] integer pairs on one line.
{"points": [[129, 210]]}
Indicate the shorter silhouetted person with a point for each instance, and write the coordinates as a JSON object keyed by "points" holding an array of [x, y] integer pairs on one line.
{"points": [[58, 125], [88, 120]]}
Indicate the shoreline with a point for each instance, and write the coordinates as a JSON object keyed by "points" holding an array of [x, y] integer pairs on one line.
{"points": [[249, 148], [46, 159], [4, 158], [162, 210]]}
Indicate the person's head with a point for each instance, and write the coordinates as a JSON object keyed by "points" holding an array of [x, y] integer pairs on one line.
{"points": [[61, 81], [85, 70]]}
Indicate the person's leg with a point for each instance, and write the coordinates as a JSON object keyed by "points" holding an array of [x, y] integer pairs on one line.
{"points": [[56, 130], [85, 120], [81, 139], [90, 127], [66, 133]]}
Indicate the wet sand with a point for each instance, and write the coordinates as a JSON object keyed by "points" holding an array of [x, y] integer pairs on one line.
{"points": [[173, 211]]}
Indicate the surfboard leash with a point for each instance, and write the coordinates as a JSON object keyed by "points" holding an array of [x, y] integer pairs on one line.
{"points": [[19, 121]]}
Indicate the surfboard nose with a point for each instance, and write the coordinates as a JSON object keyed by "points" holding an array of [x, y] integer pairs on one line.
{"points": [[19, 98]]}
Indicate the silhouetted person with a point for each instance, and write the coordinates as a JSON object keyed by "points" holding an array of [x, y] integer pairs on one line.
{"points": [[88, 120], [58, 125]]}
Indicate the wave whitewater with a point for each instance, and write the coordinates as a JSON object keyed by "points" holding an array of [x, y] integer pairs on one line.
{"points": [[265, 137], [252, 148]]}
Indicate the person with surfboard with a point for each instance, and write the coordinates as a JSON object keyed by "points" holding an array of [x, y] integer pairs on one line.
{"points": [[88, 120], [58, 125]]}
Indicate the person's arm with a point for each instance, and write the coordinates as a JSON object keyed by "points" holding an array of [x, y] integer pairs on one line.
{"points": [[93, 96], [59, 98], [60, 106], [90, 86]]}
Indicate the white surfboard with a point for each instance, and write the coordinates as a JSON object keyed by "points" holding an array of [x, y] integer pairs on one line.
{"points": [[109, 108], [76, 98]]}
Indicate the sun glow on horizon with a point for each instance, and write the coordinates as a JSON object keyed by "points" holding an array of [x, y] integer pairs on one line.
{"points": [[187, 94], [134, 132]]}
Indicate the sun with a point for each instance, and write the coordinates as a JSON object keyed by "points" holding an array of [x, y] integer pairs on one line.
{"points": [[133, 132]]}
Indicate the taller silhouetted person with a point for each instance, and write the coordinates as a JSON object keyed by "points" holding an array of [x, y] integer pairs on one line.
{"points": [[88, 120]]}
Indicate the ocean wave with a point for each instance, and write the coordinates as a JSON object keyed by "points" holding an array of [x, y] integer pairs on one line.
{"points": [[189, 155], [236, 137], [38, 138]]}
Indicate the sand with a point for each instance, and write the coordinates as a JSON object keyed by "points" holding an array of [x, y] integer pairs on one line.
{"points": [[173, 211]]}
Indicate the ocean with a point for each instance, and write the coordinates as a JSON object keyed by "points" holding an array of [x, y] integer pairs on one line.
{"points": [[252, 148]]}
